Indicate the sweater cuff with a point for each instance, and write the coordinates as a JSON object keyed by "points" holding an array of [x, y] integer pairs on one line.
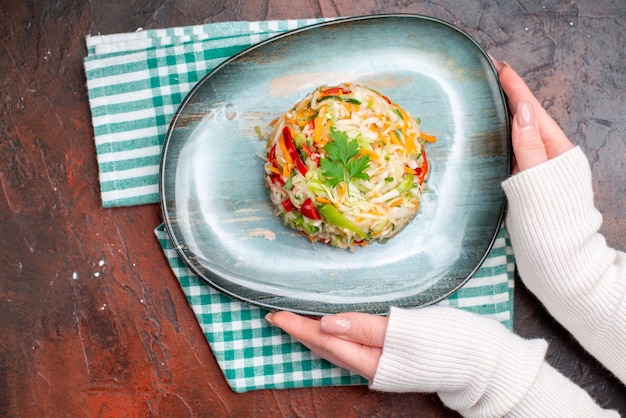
{"points": [[551, 214], [553, 395], [474, 363]]}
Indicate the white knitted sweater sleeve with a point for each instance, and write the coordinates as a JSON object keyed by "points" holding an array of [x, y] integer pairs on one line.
{"points": [[562, 258], [475, 364]]}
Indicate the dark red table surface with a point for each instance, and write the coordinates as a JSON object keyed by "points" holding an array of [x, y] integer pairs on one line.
{"points": [[124, 342]]}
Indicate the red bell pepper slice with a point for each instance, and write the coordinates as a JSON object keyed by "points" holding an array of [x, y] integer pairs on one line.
{"points": [[277, 179], [293, 152], [306, 149], [309, 210], [288, 205], [316, 157], [272, 156], [335, 91], [421, 171]]}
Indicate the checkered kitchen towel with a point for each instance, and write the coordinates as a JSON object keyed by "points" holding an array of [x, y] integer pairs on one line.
{"points": [[135, 83]]}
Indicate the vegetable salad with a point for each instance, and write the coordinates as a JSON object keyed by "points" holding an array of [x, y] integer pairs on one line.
{"points": [[346, 166]]}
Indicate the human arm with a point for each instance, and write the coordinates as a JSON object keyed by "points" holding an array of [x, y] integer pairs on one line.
{"points": [[553, 225], [475, 365]]}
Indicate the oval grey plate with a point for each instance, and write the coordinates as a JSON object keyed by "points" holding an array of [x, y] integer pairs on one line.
{"points": [[214, 201]]}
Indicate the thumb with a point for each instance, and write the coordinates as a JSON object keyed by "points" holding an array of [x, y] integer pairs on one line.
{"points": [[528, 146]]}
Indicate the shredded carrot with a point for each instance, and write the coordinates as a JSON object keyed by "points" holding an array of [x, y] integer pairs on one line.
{"points": [[408, 170], [374, 211], [309, 113], [286, 171], [319, 126], [322, 199], [275, 170], [428, 138], [409, 145], [396, 202], [373, 155], [342, 188], [395, 139]]}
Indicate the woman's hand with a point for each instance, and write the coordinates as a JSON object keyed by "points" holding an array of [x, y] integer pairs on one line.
{"points": [[350, 340], [536, 136]]}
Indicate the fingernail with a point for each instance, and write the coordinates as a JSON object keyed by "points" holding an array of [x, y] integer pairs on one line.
{"points": [[269, 317], [525, 114], [495, 62], [335, 325]]}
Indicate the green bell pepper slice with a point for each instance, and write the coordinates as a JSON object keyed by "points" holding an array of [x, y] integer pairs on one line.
{"points": [[334, 217]]}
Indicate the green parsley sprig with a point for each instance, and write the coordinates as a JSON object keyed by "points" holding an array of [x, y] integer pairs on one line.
{"points": [[342, 161]]}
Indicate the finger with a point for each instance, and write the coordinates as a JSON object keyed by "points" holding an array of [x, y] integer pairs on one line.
{"points": [[358, 327], [528, 146], [555, 141], [495, 62], [349, 355]]}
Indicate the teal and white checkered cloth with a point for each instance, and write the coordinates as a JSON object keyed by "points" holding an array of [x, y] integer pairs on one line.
{"points": [[135, 83]]}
